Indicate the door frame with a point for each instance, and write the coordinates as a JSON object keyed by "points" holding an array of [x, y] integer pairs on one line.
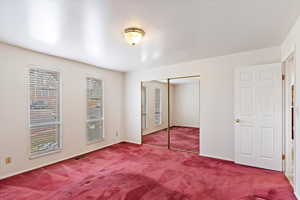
{"points": [[285, 122]]}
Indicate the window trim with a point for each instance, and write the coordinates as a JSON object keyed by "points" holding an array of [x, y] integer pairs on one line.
{"points": [[28, 124], [94, 120]]}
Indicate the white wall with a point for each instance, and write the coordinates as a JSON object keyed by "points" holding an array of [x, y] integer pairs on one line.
{"points": [[186, 102], [216, 106], [150, 88], [14, 133], [292, 43]]}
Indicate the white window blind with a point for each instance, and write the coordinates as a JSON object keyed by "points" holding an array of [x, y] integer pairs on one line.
{"points": [[94, 110], [44, 111], [144, 107], [157, 114]]}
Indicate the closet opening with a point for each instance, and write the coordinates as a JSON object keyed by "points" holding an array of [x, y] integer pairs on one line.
{"points": [[170, 113]]}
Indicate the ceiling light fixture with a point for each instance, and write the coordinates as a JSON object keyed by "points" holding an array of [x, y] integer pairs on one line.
{"points": [[133, 36]]}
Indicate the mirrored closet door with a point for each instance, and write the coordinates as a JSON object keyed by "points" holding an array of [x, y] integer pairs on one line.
{"points": [[184, 113], [154, 113], [170, 113]]}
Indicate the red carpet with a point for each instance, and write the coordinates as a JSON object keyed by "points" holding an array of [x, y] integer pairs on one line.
{"points": [[184, 138], [133, 172]]}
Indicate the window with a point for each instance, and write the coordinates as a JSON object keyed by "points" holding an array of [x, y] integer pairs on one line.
{"points": [[157, 114], [44, 111], [144, 107], [94, 110]]}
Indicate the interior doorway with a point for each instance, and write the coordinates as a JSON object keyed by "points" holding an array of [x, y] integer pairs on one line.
{"points": [[289, 68]]}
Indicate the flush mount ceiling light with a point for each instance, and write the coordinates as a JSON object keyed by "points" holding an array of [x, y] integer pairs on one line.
{"points": [[133, 36]]}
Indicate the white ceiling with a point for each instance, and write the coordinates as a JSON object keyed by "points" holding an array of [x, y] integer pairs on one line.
{"points": [[176, 30]]}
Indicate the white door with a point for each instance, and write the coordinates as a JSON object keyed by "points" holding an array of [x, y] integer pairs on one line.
{"points": [[258, 116]]}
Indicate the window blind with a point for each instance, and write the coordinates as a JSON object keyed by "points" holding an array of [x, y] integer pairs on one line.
{"points": [[94, 110], [157, 114], [44, 111]]}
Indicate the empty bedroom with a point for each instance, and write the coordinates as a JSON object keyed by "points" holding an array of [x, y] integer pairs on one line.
{"points": [[149, 100]]}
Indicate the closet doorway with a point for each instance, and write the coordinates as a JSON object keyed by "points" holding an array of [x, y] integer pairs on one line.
{"points": [[170, 113]]}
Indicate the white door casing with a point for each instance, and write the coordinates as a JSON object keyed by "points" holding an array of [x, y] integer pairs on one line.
{"points": [[289, 126], [258, 116]]}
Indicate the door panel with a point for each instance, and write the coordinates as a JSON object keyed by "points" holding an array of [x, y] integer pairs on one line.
{"points": [[247, 98], [258, 114], [267, 142], [247, 141]]}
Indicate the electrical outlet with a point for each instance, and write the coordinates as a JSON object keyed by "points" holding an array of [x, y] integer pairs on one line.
{"points": [[7, 160]]}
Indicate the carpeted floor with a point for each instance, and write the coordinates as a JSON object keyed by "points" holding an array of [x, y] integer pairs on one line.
{"points": [[183, 138], [132, 172]]}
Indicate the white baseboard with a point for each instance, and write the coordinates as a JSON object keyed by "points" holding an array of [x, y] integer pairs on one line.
{"points": [[56, 161], [216, 157]]}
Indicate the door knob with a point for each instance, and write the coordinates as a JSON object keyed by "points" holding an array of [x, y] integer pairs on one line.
{"points": [[237, 121]]}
